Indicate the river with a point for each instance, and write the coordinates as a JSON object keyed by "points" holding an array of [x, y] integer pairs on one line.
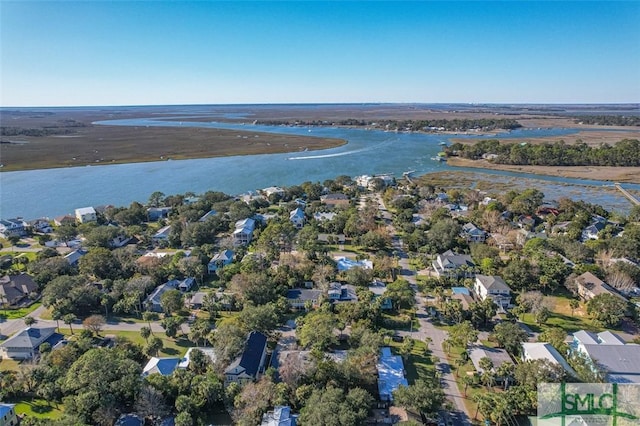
{"points": [[51, 192]]}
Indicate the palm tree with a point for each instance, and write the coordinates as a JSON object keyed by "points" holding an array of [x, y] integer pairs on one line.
{"points": [[145, 332], [574, 304], [69, 319], [467, 380], [505, 372], [56, 315]]}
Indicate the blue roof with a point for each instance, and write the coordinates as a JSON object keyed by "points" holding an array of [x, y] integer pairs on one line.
{"points": [[5, 409], [252, 354]]}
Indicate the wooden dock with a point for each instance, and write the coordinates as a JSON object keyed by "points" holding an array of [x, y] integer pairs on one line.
{"points": [[627, 194]]}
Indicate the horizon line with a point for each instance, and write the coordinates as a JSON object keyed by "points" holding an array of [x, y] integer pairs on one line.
{"points": [[636, 103]]}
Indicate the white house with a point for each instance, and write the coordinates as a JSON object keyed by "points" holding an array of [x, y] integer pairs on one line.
{"points": [[86, 214], [12, 228], [390, 374], [297, 217], [221, 259], [450, 264], [152, 302], [495, 288], [619, 360], [244, 231], [542, 350]]}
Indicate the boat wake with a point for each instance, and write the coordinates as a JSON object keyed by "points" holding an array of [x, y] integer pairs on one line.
{"points": [[340, 154]]}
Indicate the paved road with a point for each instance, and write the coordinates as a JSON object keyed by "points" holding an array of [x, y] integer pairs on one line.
{"points": [[10, 327], [460, 416]]}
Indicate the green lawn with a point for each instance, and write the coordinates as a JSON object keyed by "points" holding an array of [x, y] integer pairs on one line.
{"points": [[9, 365], [563, 317], [171, 347], [419, 363], [19, 313], [39, 408]]}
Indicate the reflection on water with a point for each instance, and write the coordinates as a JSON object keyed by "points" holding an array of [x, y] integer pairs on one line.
{"points": [[58, 191]]}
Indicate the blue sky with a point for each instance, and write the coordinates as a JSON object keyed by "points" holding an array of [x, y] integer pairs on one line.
{"points": [[136, 53]]}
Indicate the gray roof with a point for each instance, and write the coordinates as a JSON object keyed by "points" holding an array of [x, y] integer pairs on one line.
{"points": [[541, 350], [617, 360], [29, 338], [497, 356], [492, 282], [303, 294], [455, 260], [252, 354]]}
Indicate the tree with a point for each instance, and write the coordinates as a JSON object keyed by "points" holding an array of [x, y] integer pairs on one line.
{"points": [[509, 336], [574, 304], [259, 318], [29, 321], [317, 330], [401, 294], [69, 319], [228, 341], [482, 312], [607, 309], [423, 396], [331, 407], [94, 323], [171, 301], [463, 334], [100, 263], [145, 332], [153, 346]]}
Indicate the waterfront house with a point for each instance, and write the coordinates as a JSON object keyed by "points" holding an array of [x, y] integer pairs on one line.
{"points": [[221, 259], [154, 214], [86, 215], [249, 365], [15, 288], [450, 264], [495, 288], [26, 343], [64, 220], [244, 231], [335, 199], [42, 225], [12, 228]]}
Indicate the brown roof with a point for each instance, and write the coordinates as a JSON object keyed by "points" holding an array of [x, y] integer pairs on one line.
{"points": [[16, 287]]}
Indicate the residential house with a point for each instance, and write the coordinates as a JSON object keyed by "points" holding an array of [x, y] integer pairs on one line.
{"points": [[129, 420], [526, 221], [8, 415], [335, 199], [542, 350], [450, 264], [324, 216], [86, 215], [152, 302], [12, 228], [221, 259], [74, 257], [297, 217], [503, 243], [589, 286], [299, 297], [472, 234], [497, 357], [64, 220], [196, 300], [250, 364], [186, 284], [280, 416], [42, 225], [165, 366], [162, 234], [391, 374], [154, 214], [619, 360], [341, 293], [25, 344], [344, 263], [560, 228], [244, 231], [591, 231], [15, 288], [495, 288], [273, 190], [207, 215], [332, 238]]}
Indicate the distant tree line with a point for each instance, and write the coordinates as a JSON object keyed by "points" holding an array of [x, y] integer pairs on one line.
{"points": [[455, 125], [609, 120], [623, 153]]}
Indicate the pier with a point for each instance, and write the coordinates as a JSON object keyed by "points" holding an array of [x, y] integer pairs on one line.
{"points": [[407, 175], [627, 194]]}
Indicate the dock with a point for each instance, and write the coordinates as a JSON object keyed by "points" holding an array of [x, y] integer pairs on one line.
{"points": [[627, 194], [407, 175]]}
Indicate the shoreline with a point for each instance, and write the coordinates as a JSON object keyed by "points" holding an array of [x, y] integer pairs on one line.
{"points": [[604, 173]]}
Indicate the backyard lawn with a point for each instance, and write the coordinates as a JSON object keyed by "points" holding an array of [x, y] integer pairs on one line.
{"points": [[418, 364], [39, 408]]}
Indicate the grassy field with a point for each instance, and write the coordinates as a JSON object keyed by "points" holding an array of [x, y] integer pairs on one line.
{"points": [[38, 408], [419, 363], [89, 144], [19, 313]]}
